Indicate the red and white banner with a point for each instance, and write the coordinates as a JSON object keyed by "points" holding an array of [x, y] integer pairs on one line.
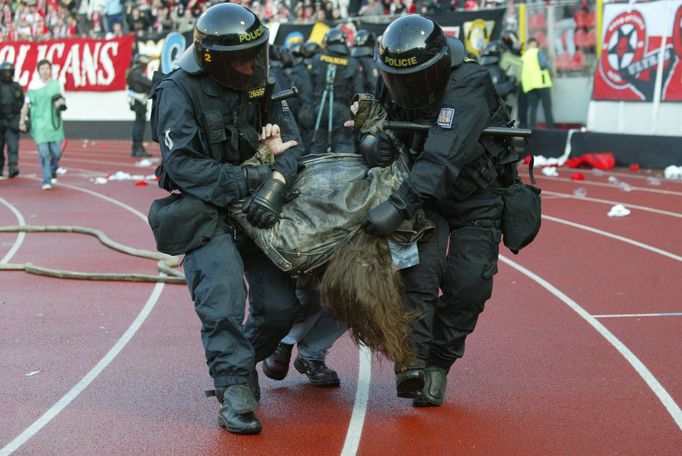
{"points": [[80, 64], [639, 40]]}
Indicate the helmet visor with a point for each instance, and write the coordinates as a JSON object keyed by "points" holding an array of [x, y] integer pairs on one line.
{"points": [[243, 69], [419, 89]]}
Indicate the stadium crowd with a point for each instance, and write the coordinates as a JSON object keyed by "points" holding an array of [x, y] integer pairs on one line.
{"points": [[33, 20]]}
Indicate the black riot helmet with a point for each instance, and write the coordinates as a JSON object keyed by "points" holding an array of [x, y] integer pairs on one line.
{"points": [[510, 40], [336, 40], [490, 54], [310, 48], [6, 72], [296, 49], [363, 44], [231, 45], [415, 60], [364, 38]]}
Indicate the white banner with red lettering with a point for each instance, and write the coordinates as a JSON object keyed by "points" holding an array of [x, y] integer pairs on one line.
{"points": [[91, 65], [641, 52]]}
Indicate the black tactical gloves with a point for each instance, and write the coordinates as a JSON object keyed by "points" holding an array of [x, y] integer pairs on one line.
{"points": [[383, 219], [254, 176], [378, 150], [263, 207]]}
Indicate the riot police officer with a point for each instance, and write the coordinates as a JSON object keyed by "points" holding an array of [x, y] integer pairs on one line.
{"points": [[11, 101], [457, 175], [138, 92], [207, 116], [490, 60], [363, 50], [303, 107], [336, 78]]}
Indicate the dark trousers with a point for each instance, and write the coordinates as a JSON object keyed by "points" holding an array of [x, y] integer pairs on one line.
{"points": [[536, 96], [466, 278], [215, 277], [10, 137], [522, 109], [421, 282], [139, 123]]}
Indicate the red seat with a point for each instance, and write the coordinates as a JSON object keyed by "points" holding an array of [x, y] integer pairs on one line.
{"points": [[578, 60], [579, 18], [580, 38], [541, 37], [589, 19], [591, 38], [537, 21]]}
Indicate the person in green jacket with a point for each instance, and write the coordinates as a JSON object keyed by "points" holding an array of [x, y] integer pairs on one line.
{"points": [[45, 101]]}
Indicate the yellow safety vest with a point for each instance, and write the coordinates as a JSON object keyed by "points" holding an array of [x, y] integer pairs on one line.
{"points": [[532, 76]]}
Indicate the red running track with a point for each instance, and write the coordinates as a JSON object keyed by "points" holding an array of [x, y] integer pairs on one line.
{"points": [[578, 351]]}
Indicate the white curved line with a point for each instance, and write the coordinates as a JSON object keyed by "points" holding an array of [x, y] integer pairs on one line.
{"points": [[357, 419], [604, 201], [615, 236], [20, 238], [120, 344], [605, 184], [630, 357]]}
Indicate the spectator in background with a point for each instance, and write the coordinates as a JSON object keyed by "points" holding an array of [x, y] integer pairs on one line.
{"points": [[45, 102], [372, 8], [536, 82], [113, 11]]}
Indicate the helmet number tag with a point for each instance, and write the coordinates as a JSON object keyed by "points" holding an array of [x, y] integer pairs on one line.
{"points": [[207, 57]]}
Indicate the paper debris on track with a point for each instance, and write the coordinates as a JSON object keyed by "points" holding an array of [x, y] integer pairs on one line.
{"points": [[619, 211]]}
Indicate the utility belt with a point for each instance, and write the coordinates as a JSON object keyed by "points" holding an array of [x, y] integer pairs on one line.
{"points": [[482, 223]]}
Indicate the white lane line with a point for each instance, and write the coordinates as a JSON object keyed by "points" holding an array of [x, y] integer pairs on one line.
{"points": [[662, 314], [20, 238], [640, 368], [604, 201], [605, 184], [89, 377], [615, 236], [65, 400], [357, 419]]}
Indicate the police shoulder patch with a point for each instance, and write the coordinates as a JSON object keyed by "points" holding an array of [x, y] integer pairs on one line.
{"points": [[446, 117]]}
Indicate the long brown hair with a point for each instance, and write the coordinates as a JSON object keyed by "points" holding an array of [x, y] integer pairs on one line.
{"points": [[360, 287]]}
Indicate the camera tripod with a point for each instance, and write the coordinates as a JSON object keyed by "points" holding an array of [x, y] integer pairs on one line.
{"points": [[327, 96]]}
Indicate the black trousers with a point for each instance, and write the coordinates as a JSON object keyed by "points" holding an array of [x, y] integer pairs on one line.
{"points": [[534, 98], [465, 277], [215, 277], [9, 136], [139, 123]]}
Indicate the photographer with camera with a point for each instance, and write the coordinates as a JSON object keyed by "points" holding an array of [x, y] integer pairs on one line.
{"points": [[44, 105]]}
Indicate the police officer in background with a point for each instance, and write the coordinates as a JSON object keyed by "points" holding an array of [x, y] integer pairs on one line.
{"points": [[208, 119], [310, 50], [490, 60], [300, 77], [347, 81], [138, 93], [457, 175], [11, 101], [363, 50]]}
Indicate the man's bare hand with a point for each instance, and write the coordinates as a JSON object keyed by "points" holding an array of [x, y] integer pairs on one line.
{"points": [[271, 136]]}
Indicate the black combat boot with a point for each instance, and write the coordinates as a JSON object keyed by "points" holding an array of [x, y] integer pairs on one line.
{"points": [[433, 394], [13, 172], [317, 372], [276, 366], [139, 151], [409, 380], [237, 413]]}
